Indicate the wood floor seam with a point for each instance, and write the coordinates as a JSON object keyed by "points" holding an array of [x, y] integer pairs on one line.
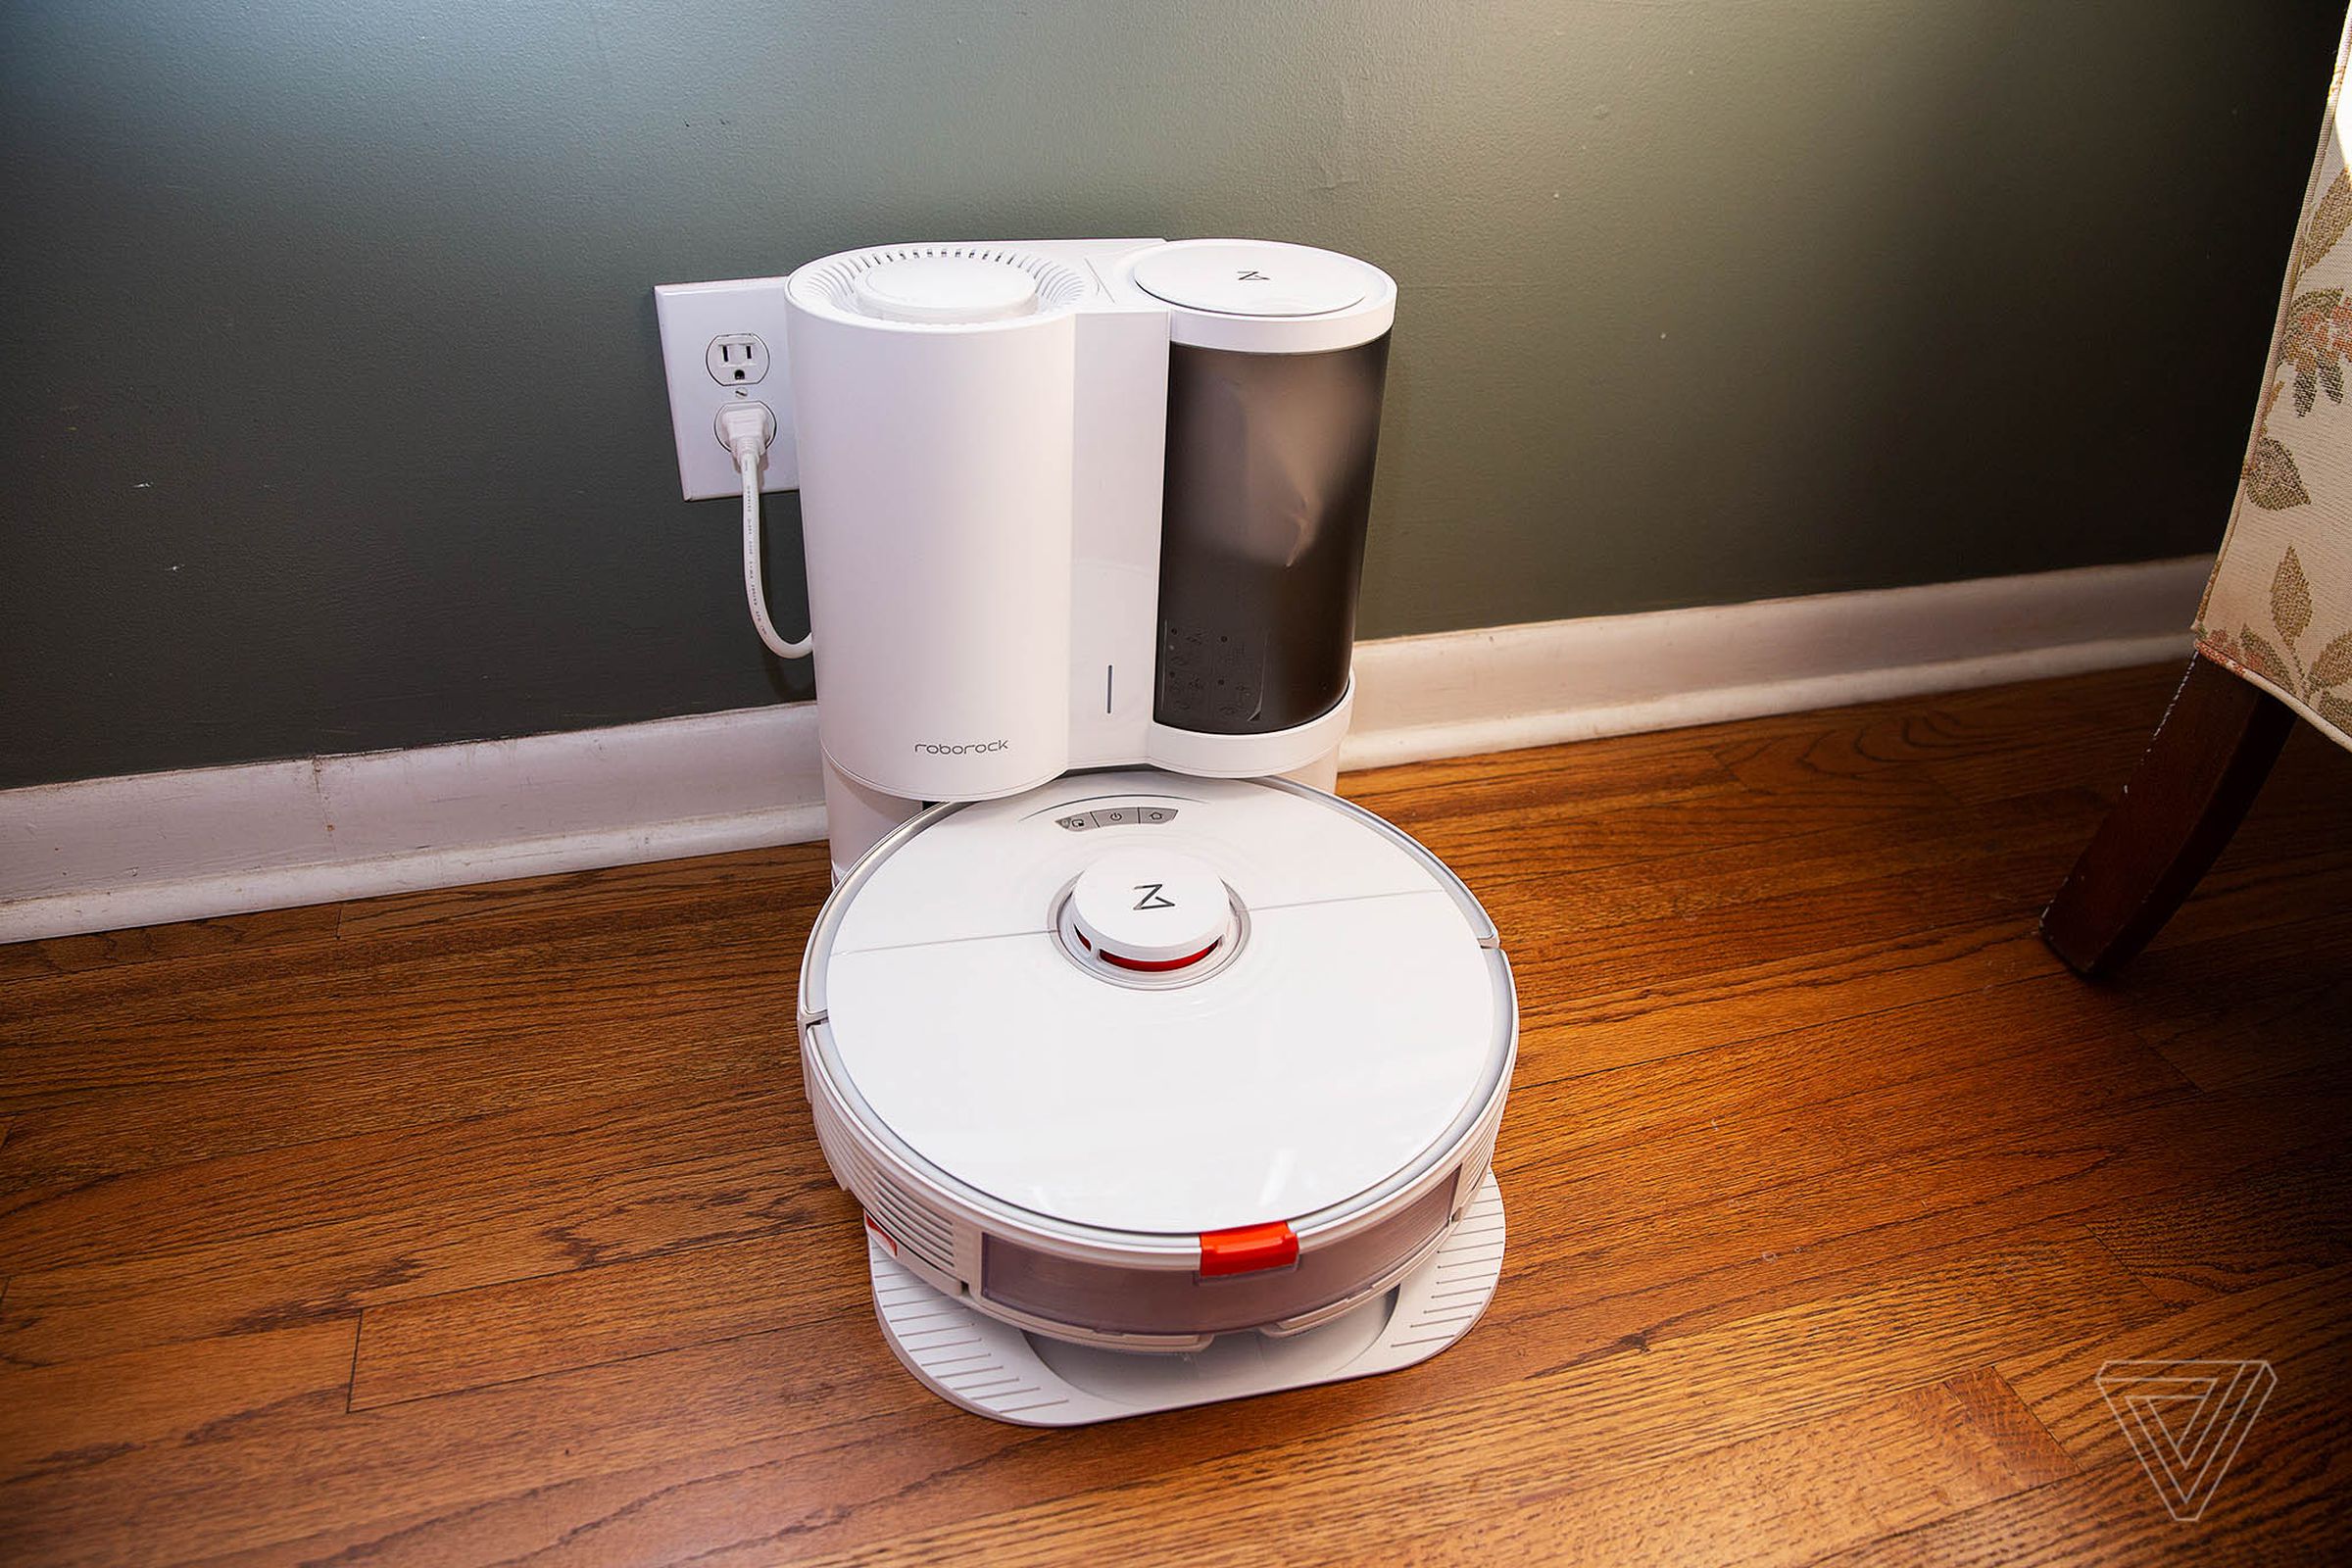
{"points": [[830, 1319]]}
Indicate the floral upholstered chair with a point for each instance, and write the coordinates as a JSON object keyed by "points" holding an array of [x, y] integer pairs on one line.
{"points": [[2274, 630]]}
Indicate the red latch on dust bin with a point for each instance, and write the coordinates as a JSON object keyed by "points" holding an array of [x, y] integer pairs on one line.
{"points": [[1247, 1248]]}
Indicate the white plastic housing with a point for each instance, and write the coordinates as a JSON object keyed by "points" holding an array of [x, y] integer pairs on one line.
{"points": [[935, 490], [980, 431]]}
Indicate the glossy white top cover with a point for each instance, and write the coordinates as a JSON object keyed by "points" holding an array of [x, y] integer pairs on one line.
{"points": [[1252, 278], [1360, 1016], [945, 290], [1259, 296]]}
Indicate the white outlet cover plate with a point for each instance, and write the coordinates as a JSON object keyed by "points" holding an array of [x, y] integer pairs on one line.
{"points": [[691, 314]]}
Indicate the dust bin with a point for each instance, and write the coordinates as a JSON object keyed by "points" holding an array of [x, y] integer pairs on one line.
{"points": [[1275, 373]]}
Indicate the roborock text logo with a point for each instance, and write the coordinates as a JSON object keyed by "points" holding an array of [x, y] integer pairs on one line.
{"points": [[948, 748], [2185, 1420]]}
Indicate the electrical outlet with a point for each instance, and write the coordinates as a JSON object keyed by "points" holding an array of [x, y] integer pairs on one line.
{"points": [[739, 358], [723, 343]]}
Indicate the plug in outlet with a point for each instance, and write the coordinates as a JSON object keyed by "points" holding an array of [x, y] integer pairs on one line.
{"points": [[723, 343]]}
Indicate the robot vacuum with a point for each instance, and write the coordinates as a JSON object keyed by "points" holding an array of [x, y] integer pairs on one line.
{"points": [[1157, 1090]]}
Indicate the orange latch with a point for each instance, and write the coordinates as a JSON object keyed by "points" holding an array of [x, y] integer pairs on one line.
{"points": [[1247, 1248]]}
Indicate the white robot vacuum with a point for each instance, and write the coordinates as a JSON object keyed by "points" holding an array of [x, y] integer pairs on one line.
{"points": [[1208, 1070]]}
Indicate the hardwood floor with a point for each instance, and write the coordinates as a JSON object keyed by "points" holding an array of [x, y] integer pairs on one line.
{"points": [[488, 1225]]}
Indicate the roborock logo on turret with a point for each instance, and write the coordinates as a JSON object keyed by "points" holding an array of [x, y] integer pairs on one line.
{"points": [[946, 749]]}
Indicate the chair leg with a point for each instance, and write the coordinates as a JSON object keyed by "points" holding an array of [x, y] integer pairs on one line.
{"points": [[2201, 773]]}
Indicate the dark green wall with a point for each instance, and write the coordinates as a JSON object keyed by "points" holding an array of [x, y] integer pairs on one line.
{"points": [[332, 418]]}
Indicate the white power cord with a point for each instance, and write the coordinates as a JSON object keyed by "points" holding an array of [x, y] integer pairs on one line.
{"points": [[744, 429]]}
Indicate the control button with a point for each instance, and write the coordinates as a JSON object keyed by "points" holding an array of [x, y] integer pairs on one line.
{"points": [[1117, 817], [1151, 910]]}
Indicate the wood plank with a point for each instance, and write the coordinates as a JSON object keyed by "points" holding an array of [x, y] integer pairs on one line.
{"points": [[2006, 887], [735, 975], [765, 896], [1595, 1027], [114, 1133], [1785, 1498], [472, 1339], [2285, 1029], [481, 1165], [2233, 1008], [576, 904], [1818, 1098], [2020, 715], [1734, 848], [1667, 764], [245, 936], [370, 1261], [1729, 993], [2293, 1323], [2117, 709], [1977, 744], [1651, 1272], [229, 1487], [2233, 1004], [2285, 1218], [2280, 1504], [1966, 893], [2281, 1500], [1547, 814], [1805, 766], [61, 1420], [1985, 748], [256, 1241]]}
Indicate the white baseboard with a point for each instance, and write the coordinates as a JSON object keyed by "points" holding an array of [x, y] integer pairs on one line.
{"points": [[103, 853], [1454, 694]]}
